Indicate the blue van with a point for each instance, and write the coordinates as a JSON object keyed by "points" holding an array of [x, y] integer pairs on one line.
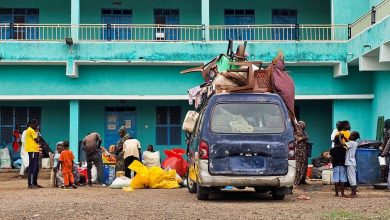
{"points": [[242, 140]]}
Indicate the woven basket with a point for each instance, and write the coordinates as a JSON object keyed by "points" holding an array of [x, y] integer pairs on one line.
{"points": [[263, 81]]}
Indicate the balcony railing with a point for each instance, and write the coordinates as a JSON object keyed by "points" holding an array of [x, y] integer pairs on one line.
{"points": [[280, 32], [173, 33], [376, 14]]}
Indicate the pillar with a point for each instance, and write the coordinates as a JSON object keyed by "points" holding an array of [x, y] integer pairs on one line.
{"points": [[75, 18], [74, 110], [206, 17]]}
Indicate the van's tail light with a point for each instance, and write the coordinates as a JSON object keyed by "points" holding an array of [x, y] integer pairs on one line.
{"points": [[291, 150], [203, 150]]}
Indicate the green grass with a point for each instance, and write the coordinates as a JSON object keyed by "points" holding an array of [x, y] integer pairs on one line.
{"points": [[336, 215], [344, 215]]}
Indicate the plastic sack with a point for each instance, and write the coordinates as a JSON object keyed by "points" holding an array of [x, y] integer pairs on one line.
{"points": [[175, 161], [94, 173], [120, 182], [141, 179], [154, 177], [46, 163], [5, 159], [161, 179], [151, 159]]}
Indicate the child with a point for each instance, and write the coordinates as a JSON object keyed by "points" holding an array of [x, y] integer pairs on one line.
{"points": [[338, 161], [66, 162], [350, 162]]}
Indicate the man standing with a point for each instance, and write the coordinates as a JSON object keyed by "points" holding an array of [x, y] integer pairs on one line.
{"points": [[386, 148], [32, 147], [131, 149], [92, 151], [119, 148]]}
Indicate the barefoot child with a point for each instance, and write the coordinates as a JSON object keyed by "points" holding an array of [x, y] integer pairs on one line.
{"points": [[338, 161], [66, 163], [350, 161]]}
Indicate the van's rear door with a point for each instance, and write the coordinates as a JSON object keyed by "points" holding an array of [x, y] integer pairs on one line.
{"points": [[248, 139], [248, 158]]}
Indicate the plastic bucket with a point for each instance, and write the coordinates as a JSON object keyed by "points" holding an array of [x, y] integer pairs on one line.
{"points": [[309, 171]]}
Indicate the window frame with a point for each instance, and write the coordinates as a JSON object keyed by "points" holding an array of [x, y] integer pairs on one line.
{"points": [[30, 110], [168, 126]]}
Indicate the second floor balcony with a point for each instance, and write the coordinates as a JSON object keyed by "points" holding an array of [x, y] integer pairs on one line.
{"points": [[173, 33]]}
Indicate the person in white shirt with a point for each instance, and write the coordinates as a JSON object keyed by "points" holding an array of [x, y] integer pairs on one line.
{"points": [[350, 161], [23, 154], [131, 149], [335, 131]]}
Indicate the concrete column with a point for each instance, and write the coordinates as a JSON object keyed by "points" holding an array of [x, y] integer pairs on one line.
{"points": [[74, 109], [206, 17], [75, 18]]}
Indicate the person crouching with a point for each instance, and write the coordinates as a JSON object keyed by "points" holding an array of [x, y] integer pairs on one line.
{"points": [[66, 163]]}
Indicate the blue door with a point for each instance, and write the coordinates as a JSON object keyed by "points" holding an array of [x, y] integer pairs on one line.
{"points": [[118, 17], [167, 17], [114, 120], [282, 17], [239, 17]]}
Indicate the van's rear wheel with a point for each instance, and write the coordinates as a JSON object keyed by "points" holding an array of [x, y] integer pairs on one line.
{"points": [[277, 196], [191, 185], [202, 193]]}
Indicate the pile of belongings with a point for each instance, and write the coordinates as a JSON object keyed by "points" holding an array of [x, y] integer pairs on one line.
{"points": [[153, 177], [232, 72]]}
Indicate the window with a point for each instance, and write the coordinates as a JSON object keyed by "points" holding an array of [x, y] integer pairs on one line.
{"points": [[247, 118], [167, 17], [117, 16], [283, 17], [239, 17], [11, 116], [20, 16], [168, 125]]}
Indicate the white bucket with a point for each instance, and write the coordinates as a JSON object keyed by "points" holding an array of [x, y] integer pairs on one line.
{"points": [[382, 161], [327, 177]]}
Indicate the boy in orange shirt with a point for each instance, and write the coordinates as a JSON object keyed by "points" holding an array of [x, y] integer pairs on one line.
{"points": [[66, 163]]}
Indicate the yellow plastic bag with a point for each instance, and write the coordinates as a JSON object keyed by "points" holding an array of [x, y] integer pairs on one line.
{"points": [[128, 189], [141, 179], [154, 177]]}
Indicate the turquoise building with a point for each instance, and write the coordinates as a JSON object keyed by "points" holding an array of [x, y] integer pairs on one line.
{"points": [[94, 65]]}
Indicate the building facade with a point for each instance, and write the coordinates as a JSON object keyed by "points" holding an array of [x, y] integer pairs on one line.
{"points": [[95, 65]]}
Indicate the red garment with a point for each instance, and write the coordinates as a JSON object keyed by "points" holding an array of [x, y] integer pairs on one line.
{"points": [[16, 143]]}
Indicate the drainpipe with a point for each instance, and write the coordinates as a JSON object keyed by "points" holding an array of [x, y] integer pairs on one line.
{"points": [[373, 15]]}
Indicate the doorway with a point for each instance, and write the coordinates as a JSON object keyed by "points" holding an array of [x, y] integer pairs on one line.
{"points": [[116, 117]]}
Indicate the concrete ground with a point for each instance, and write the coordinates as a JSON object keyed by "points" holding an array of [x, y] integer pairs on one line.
{"points": [[18, 202]]}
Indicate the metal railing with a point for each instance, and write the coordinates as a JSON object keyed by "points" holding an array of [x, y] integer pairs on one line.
{"points": [[175, 33], [279, 32], [35, 32], [137, 32], [376, 14], [382, 10]]}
